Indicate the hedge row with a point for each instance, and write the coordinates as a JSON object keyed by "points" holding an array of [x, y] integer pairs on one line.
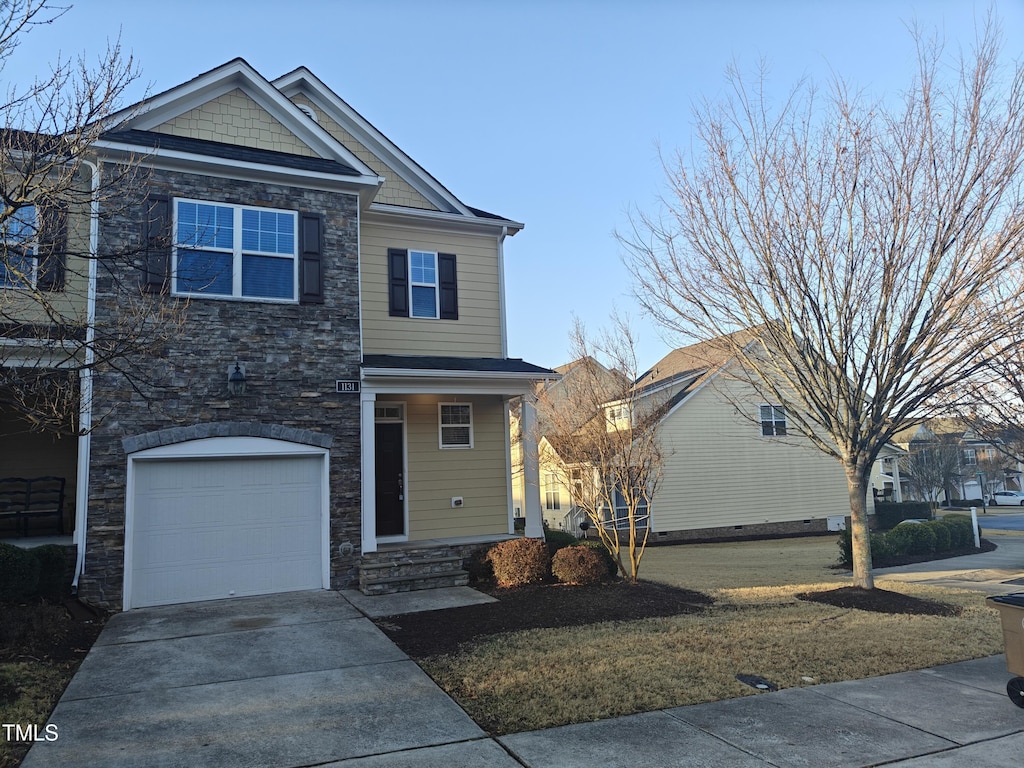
{"points": [[40, 572], [951, 533]]}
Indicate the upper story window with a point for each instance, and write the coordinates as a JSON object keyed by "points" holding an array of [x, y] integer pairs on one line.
{"points": [[18, 265], [456, 425], [773, 421], [970, 456], [422, 284], [552, 495], [235, 251]]}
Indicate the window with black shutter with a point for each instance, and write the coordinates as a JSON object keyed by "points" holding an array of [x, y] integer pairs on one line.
{"points": [[422, 284]]}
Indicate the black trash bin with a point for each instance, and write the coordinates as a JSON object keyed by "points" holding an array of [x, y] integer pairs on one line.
{"points": [[1011, 614]]}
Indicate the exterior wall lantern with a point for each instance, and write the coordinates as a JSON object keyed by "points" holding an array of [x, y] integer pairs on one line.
{"points": [[236, 380]]}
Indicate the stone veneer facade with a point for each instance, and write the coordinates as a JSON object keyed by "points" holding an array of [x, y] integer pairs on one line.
{"points": [[293, 354]]}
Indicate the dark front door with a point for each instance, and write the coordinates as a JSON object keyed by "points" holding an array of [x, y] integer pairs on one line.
{"points": [[390, 482]]}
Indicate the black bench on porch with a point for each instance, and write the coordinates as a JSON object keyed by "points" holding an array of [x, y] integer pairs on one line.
{"points": [[25, 498]]}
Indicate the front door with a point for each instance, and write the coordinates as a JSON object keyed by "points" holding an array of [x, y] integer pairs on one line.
{"points": [[390, 480]]}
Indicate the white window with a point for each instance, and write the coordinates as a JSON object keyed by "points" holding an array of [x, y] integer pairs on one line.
{"points": [[455, 425], [552, 497], [235, 251], [773, 421], [18, 263], [970, 456], [423, 283]]}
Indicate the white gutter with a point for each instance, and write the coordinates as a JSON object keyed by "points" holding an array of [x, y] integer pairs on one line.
{"points": [[371, 373], [85, 382]]}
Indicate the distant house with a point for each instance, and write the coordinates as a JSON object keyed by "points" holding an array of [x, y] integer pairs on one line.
{"points": [[733, 468], [983, 464]]}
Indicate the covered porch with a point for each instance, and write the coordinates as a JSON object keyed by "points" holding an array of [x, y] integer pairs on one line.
{"points": [[436, 459]]}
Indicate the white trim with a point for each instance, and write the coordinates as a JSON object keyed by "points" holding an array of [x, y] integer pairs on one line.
{"points": [[441, 425], [367, 472], [226, 448], [507, 409], [417, 217], [444, 373], [303, 81]]}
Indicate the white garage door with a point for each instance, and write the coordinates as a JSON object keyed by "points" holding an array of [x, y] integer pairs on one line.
{"points": [[225, 527]]}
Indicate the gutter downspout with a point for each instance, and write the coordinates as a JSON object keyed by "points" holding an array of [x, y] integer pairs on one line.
{"points": [[85, 382], [501, 291]]}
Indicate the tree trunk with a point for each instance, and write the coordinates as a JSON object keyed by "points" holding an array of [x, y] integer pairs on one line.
{"points": [[857, 483]]}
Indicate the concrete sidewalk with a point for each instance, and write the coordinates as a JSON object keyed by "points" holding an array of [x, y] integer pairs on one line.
{"points": [[305, 679]]}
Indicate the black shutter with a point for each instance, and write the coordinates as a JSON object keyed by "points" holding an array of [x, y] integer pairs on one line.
{"points": [[51, 249], [447, 285], [311, 265], [156, 244], [398, 282]]}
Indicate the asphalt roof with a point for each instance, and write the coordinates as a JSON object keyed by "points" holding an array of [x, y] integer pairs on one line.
{"points": [[467, 364], [226, 151]]}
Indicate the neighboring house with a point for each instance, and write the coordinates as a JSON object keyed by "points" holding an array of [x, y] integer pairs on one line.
{"points": [[340, 392], [977, 458], [887, 483], [728, 472]]}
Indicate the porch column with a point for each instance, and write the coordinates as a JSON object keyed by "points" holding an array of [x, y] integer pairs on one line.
{"points": [[897, 491], [531, 471], [368, 471]]}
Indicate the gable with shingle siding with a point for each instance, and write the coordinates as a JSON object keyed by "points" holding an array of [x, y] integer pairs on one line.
{"points": [[234, 118], [395, 191]]}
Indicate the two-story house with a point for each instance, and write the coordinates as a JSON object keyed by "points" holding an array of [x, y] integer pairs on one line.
{"points": [[339, 387]]}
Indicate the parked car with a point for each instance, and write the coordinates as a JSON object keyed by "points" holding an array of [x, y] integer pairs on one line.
{"points": [[1010, 498]]}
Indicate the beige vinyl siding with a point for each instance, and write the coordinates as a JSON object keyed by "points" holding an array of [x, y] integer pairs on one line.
{"points": [[477, 474], [69, 303], [720, 471], [395, 190], [477, 332], [234, 118]]}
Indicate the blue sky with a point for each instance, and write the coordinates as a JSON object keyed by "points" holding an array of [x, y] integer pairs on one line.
{"points": [[549, 113]]}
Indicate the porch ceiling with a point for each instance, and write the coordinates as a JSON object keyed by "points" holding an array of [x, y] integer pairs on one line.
{"points": [[469, 375]]}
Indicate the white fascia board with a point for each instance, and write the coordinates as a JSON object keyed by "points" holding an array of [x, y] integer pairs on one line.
{"points": [[36, 353], [176, 160], [237, 75], [444, 373], [304, 81], [391, 381], [418, 217]]}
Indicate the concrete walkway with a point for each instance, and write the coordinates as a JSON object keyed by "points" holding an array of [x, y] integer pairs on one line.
{"points": [[305, 679]]}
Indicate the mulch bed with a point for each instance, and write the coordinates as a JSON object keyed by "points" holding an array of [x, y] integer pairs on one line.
{"points": [[431, 633], [40, 631], [879, 601]]}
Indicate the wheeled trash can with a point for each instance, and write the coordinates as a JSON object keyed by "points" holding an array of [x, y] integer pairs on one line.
{"points": [[1011, 614]]}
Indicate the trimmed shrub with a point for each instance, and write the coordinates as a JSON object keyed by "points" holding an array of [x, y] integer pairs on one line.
{"points": [[519, 561], [578, 565], [889, 514], [911, 539], [19, 574], [880, 548], [602, 551], [943, 538], [558, 539], [961, 530]]}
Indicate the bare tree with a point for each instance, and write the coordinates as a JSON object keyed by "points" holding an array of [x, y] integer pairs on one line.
{"points": [[862, 240], [53, 193], [601, 442], [932, 470]]}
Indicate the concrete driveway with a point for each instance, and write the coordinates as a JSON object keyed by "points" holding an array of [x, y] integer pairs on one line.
{"points": [[285, 680]]}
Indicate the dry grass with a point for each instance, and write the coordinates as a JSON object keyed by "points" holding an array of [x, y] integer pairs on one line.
{"points": [[542, 678]]}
